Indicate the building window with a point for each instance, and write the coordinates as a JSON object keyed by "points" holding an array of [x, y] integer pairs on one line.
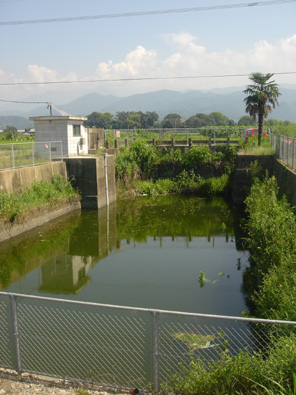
{"points": [[76, 130]]}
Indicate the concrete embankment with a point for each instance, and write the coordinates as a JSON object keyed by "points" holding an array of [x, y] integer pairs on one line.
{"points": [[34, 218], [15, 180], [94, 177], [286, 178]]}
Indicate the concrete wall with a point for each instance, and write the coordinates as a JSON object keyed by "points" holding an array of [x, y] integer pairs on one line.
{"points": [[90, 179], [36, 218], [286, 178], [77, 145], [15, 180]]}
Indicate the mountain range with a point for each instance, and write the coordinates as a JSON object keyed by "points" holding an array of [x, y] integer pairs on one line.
{"points": [[228, 102]]}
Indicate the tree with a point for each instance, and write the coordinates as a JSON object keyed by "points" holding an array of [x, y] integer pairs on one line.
{"points": [[262, 97], [171, 121], [219, 118], [100, 120], [246, 120]]}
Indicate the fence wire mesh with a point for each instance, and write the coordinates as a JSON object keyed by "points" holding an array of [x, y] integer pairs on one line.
{"points": [[120, 346], [284, 147], [28, 154]]}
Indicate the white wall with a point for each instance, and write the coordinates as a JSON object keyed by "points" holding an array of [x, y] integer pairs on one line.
{"points": [[74, 146], [62, 130]]}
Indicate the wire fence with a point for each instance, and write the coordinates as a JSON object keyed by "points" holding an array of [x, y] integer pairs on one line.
{"points": [[284, 147], [27, 154], [118, 346], [181, 135]]}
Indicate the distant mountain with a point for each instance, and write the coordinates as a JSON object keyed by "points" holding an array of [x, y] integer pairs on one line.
{"points": [[229, 102], [17, 122]]}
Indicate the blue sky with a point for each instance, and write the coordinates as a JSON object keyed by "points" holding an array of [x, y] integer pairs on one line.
{"points": [[228, 41]]}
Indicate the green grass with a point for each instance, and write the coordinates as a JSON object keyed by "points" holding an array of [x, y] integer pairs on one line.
{"points": [[40, 194], [257, 374], [252, 148]]}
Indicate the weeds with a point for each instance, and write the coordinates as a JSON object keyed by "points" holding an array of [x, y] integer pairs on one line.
{"points": [[40, 194], [243, 374]]}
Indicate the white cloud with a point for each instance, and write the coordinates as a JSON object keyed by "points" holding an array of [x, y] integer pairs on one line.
{"points": [[44, 74], [186, 57], [136, 63]]}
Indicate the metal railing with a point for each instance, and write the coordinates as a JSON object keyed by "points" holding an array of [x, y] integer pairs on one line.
{"points": [[181, 134], [118, 346], [284, 147], [29, 154]]}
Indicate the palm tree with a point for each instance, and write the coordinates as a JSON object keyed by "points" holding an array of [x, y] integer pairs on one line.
{"points": [[262, 97]]}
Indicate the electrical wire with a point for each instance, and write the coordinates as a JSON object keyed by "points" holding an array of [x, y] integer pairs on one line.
{"points": [[135, 79], [24, 102], [147, 13]]}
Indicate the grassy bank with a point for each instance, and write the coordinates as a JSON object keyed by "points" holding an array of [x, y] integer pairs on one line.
{"points": [[271, 229], [13, 206], [270, 287], [152, 171]]}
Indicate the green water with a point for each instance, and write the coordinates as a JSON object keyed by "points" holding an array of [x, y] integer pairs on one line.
{"points": [[143, 253]]}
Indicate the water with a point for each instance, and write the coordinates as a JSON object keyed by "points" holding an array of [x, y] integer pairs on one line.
{"points": [[142, 253]]}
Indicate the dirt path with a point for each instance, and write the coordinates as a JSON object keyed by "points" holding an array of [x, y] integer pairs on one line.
{"points": [[10, 384]]}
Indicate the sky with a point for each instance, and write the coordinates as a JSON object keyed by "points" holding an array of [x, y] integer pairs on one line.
{"points": [[218, 41]]}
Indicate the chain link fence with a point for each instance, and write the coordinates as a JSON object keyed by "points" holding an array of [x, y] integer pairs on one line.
{"points": [[118, 346], [28, 154], [181, 136], [284, 147]]}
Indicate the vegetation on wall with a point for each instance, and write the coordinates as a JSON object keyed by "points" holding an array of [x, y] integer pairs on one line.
{"points": [[40, 194], [271, 229], [153, 171]]}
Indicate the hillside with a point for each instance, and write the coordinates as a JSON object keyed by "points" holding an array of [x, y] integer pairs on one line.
{"points": [[229, 103], [16, 121]]}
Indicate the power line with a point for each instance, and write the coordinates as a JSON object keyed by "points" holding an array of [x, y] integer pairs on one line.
{"points": [[25, 102], [135, 79], [147, 13]]}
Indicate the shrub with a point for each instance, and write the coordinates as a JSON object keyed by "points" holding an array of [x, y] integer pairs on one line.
{"points": [[243, 374], [197, 156]]}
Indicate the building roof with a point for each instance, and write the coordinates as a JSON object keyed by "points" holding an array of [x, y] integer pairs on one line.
{"points": [[59, 118]]}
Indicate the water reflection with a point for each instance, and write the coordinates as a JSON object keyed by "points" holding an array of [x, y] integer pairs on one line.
{"points": [[65, 274], [64, 250], [143, 252]]}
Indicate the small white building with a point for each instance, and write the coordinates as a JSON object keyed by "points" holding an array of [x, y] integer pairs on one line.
{"points": [[66, 128]]}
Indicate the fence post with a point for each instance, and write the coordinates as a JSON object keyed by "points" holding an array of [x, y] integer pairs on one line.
{"points": [[293, 152], [49, 146], [133, 135], [155, 350], [12, 155], [15, 333], [33, 153]]}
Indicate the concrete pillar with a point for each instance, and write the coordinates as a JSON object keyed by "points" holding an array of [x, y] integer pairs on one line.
{"points": [[90, 180]]}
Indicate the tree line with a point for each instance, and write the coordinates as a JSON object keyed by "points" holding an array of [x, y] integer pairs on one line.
{"points": [[150, 119]]}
